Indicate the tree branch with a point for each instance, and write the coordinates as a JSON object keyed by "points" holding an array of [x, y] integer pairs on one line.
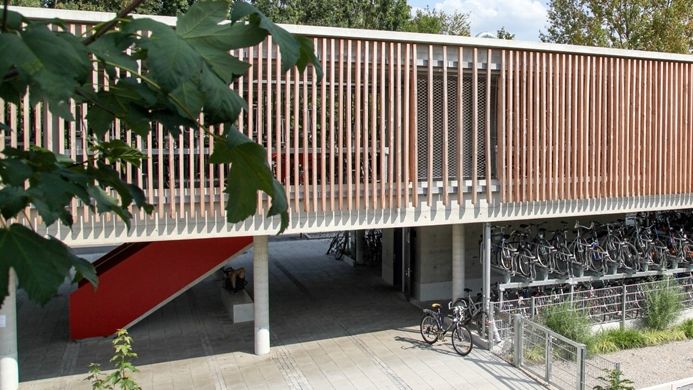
{"points": [[111, 23], [4, 16]]}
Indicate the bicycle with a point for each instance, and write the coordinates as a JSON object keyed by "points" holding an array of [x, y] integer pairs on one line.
{"points": [[339, 245], [433, 327]]}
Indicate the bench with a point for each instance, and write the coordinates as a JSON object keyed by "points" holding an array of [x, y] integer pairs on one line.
{"points": [[238, 304]]}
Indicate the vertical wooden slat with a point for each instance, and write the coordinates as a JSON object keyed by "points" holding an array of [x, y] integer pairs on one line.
{"points": [[545, 106], [510, 128], [661, 128], [286, 145], [528, 141], [536, 142], [385, 158], [489, 57], [332, 143], [259, 113], [522, 150], [642, 128], [585, 155], [651, 124], [314, 113], [402, 141], [429, 134], [395, 154], [295, 130], [304, 148], [502, 124], [575, 128], [475, 124], [623, 126], [340, 138], [323, 128], [374, 126], [598, 109], [160, 173], [365, 163], [520, 109], [685, 127], [358, 109], [556, 119], [268, 112], [412, 108], [349, 148], [460, 126], [446, 195]]}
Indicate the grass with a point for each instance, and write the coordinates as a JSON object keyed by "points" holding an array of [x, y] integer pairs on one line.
{"points": [[662, 305], [687, 328], [617, 339], [566, 320]]}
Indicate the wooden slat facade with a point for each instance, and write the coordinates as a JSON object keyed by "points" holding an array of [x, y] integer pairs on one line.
{"points": [[544, 126]]}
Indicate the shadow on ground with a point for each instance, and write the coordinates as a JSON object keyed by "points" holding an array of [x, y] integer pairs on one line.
{"points": [[312, 297]]}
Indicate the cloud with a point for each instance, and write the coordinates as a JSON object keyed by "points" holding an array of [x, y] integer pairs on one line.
{"points": [[524, 18]]}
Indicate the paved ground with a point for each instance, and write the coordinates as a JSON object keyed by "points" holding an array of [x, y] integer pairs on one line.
{"points": [[333, 326]]}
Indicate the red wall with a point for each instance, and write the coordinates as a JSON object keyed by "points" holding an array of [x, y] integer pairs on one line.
{"points": [[143, 279]]}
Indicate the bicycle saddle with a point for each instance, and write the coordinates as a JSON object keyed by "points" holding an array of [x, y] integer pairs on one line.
{"points": [[436, 305], [467, 290]]}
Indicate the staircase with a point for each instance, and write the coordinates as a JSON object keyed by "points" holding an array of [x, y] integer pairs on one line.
{"points": [[138, 278]]}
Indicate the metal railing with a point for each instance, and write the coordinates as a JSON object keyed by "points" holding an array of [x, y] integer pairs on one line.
{"points": [[554, 359], [603, 305]]}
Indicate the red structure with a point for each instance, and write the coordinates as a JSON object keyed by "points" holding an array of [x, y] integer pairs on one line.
{"points": [[136, 279]]}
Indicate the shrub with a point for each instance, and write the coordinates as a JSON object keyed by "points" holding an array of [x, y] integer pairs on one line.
{"points": [[662, 305], [687, 328], [122, 376], [615, 381], [568, 321]]}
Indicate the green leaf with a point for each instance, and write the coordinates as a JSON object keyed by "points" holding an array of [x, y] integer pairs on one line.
{"points": [[118, 150], [170, 59], [14, 171], [41, 263], [221, 103], [111, 48], [14, 21], [248, 174], [295, 50], [12, 201], [99, 120], [107, 203]]}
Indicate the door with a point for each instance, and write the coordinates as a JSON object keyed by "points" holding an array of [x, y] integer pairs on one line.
{"points": [[398, 258]]}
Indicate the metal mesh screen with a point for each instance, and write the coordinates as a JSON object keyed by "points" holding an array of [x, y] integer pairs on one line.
{"points": [[453, 130]]}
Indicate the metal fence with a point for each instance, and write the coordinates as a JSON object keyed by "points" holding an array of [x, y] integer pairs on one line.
{"points": [[602, 305], [553, 359]]}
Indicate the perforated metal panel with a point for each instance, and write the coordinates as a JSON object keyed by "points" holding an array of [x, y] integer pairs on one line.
{"points": [[453, 131]]}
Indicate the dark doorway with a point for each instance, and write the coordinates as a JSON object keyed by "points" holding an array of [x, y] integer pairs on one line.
{"points": [[398, 258]]}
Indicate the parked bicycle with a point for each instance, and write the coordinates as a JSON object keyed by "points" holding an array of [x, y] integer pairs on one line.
{"points": [[434, 328]]}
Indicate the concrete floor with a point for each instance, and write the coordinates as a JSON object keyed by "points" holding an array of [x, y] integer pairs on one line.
{"points": [[332, 326]]}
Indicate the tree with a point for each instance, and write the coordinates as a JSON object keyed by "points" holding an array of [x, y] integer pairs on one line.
{"points": [[434, 21], [149, 7], [186, 72], [378, 14], [502, 33], [629, 24]]}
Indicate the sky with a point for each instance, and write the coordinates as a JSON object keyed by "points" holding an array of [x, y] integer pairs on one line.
{"points": [[524, 18]]}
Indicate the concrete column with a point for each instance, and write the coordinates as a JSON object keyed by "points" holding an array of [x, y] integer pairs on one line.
{"points": [[458, 249], [486, 290], [261, 292], [9, 369]]}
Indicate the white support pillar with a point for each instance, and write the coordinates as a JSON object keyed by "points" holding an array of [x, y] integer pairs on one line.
{"points": [[261, 294], [9, 369], [458, 249], [487, 277]]}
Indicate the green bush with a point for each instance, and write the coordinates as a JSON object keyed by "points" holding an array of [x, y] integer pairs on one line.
{"points": [[568, 321], [687, 328], [662, 305], [615, 381]]}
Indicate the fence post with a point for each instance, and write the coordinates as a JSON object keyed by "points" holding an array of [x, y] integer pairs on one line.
{"points": [[580, 367], [517, 340], [532, 305], [548, 357], [623, 307]]}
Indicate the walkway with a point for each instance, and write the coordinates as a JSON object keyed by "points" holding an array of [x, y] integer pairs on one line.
{"points": [[333, 326]]}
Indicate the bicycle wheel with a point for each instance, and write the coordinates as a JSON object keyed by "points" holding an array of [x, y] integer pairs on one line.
{"points": [[524, 263], [462, 340], [429, 329]]}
